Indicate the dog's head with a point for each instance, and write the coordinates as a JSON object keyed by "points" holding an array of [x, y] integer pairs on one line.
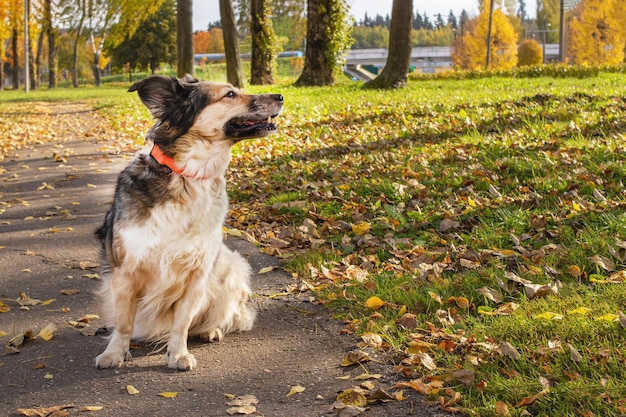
{"points": [[194, 118]]}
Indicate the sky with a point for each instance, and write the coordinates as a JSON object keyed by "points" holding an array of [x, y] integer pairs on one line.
{"points": [[206, 11]]}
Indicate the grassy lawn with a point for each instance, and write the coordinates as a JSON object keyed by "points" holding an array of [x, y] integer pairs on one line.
{"points": [[474, 229]]}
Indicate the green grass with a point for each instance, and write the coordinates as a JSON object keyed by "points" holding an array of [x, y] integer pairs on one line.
{"points": [[423, 197]]}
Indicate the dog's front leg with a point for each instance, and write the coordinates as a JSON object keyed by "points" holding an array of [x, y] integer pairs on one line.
{"points": [[125, 305], [185, 309]]}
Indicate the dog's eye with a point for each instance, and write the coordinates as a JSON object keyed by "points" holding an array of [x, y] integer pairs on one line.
{"points": [[231, 94]]}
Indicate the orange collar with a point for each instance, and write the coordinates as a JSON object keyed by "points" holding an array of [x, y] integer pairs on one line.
{"points": [[169, 162]]}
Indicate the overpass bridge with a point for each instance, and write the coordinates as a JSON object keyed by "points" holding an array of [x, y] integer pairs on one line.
{"points": [[428, 59]]}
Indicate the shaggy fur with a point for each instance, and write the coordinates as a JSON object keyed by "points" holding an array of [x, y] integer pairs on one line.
{"points": [[168, 274]]}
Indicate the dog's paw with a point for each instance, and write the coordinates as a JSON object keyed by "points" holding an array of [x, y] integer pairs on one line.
{"points": [[182, 362], [215, 335], [110, 360]]}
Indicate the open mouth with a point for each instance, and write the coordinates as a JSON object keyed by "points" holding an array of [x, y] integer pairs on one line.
{"points": [[242, 128]]}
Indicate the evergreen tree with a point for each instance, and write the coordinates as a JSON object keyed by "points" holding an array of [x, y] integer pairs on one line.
{"points": [[452, 20]]}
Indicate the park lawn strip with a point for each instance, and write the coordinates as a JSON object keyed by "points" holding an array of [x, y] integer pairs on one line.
{"points": [[487, 216], [476, 225]]}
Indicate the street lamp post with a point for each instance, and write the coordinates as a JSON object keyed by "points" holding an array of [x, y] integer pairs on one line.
{"points": [[26, 64]]}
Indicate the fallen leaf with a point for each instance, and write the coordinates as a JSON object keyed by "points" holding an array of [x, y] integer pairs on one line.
{"points": [[574, 354], [502, 410], [132, 390], [361, 228], [91, 408], [47, 332], [509, 350], [69, 292], [608, 317], [603, 262], [464, 376], [420, 386], [352, 397], [622, 319], [344, 410], [372, 340], [242, 400], [48, 376], [245, 409], [532, 398], [580, 310], [374, 303], [266, 270], [353, 358], [491, 294], [296, 389], [43, 411], [367, 375], [24, 300], [548, 315], [168, 394]]}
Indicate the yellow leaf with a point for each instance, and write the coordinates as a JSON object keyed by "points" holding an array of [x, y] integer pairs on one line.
{"points": [[168, 394], [574, 271], [548, 315], [132, 390], [91, 408], [3, 333], [93, 276], [48, 376], [353, 398], [435, 297], [91, 186], [367, 376], [266, 270], [296, 389], [48, 302], [580, 310], [374, 303], [361, 228], [608, 317], [47, 332]]}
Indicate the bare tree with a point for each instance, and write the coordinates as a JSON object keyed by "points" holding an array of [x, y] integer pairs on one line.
{"points": [[263, 43], [234, 73], [184, 37], [394, 75]]}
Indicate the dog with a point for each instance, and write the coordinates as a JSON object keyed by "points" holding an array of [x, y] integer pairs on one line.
{"points": [[167, 273]]}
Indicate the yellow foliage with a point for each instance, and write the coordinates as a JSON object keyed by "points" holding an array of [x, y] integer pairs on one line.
{"points": [[471, 48], [596, 36], [529, 53]]}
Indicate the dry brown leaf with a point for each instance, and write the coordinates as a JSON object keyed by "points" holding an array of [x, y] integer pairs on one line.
{"points": [[243, 400], [491, 294], [509, 350], [532, 398], [43, 411], [464, 376], [574, 354], [603, 262], [502, 410], [353, 358]]}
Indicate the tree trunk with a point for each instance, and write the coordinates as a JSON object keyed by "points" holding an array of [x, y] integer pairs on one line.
{"points": [[79, 29], [234, 73], [52, 44], [263, 43], [34, 70], [38, 59], [319, 65], [184, 37], [16, 65], [394, 75]]}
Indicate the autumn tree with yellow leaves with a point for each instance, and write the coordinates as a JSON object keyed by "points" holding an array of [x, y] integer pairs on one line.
{"points": [[471, 49], [597, 32]]}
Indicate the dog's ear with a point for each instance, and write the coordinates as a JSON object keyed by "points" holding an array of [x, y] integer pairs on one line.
{"points": [[168, 98]]}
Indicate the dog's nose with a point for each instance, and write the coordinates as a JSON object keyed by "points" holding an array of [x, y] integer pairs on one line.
{"points": [[278, 97]]}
